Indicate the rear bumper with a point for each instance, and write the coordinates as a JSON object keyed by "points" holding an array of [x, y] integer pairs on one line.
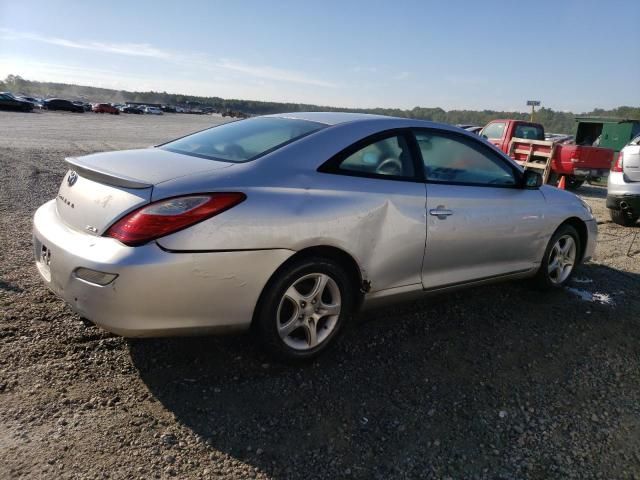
{"points": [[156, 293], [589, 172], [629, 202]]}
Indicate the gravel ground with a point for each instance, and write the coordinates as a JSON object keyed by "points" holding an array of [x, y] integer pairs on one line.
{"points": [[494, 382]]}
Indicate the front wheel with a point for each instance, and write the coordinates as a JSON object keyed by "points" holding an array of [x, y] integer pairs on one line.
{"points": [[304, 308], [560, 258]]}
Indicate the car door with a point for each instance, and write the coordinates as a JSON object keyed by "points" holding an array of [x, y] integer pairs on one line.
{"points": [[380, 179], [480, 222], [494, 132]]}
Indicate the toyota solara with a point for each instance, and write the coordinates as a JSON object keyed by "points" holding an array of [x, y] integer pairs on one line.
{"points": [[288, 224]]}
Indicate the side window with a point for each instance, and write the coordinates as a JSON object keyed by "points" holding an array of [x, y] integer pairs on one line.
{"points": [[452, 159], [494, 130], [388, 157]]}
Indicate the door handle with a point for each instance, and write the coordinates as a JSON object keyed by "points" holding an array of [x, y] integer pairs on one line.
{"points": [[440, 212]]}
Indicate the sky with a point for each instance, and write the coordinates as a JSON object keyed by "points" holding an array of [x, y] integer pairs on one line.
{"points": [[573, 55]]}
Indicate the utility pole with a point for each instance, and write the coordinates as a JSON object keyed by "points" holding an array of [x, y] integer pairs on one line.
{"points": [[533, 104]]}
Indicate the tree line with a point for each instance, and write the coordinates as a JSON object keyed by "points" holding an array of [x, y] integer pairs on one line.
{"points": [[553, 121]]}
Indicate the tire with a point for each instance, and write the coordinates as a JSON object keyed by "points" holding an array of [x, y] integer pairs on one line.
{"points": [[622, 218], [289, 320], [547, 278], [573, 183]]}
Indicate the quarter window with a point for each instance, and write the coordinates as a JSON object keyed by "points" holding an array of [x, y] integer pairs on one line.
{"points": [[494, 130], [388, 157], [457, 160]]}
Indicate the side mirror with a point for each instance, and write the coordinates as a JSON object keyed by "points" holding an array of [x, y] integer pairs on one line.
{"points": [[531, 179]]}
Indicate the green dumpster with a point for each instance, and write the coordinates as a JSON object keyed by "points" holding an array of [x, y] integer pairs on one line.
{"points": [[613, 133]]}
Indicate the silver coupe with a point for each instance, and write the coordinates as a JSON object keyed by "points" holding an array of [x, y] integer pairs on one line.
{"points": [[288, 224]]}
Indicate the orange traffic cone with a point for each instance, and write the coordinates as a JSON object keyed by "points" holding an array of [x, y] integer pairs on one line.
{"points": [[561, 183]]}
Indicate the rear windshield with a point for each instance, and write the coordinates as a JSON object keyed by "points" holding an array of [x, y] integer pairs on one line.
{"points": [[530, 132], [243, 140]]}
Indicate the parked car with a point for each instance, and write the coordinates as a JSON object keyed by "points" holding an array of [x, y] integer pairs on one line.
{"points": [[36, 102], [9, 102], [153, 110], [61, 104], [289, 223], [131, 109], [576, 162], [623, 185], [85, 106], [469, 127], [559, 138], [105, 108], [234, 114]]}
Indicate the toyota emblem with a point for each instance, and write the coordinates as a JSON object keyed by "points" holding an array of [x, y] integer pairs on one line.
{"points": [[72, 178]]}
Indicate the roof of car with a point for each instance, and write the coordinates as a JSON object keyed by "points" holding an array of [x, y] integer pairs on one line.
{"points": [[330, 118]]}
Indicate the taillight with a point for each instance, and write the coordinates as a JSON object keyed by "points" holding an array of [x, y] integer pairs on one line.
{"points": [[617, 166], [169, 216]]}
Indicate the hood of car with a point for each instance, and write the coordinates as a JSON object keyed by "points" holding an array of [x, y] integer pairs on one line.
{"points": [[569, 201]]}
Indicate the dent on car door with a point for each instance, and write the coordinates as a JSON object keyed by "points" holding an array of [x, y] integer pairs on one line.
{"points": [[480, 224], [386, 200]]}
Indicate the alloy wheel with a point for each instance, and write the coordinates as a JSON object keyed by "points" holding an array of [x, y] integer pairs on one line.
{"points": [[309, 311], [562, 259]]}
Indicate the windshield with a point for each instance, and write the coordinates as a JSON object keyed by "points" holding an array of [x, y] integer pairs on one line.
{"points": [[243, 140]]}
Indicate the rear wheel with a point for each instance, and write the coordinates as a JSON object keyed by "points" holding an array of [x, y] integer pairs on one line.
{"points": [[623, 218], [304, 308], [573, 183], [560, 258]]}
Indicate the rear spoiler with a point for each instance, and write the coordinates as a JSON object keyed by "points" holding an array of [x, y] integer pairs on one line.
{"points": [[105, 176]]}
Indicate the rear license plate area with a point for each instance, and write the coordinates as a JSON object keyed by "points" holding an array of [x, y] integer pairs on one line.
{"points": [[43, 258]]}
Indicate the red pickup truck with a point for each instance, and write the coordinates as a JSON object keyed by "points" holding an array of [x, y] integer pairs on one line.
{"points": [[524, 141]]}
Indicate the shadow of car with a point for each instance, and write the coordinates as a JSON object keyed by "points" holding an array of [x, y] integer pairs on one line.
{"points": [[431, 388]]}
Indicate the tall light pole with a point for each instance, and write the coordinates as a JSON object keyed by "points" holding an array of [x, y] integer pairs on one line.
{"points": [[533, 104]]}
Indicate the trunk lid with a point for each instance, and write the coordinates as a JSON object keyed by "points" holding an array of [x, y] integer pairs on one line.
{"points": [[631, 162], [102, 187]]}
